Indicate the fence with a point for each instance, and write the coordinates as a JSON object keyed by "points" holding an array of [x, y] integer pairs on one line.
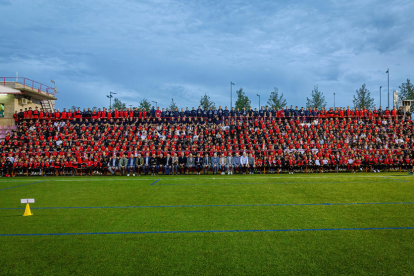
{"points": [[29, 83]]}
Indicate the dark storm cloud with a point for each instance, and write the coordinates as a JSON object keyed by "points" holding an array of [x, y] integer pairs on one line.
{"points": [[182, 49]]}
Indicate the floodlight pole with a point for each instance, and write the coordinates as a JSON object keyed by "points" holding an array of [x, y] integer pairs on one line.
{"points": [[334, 101], [156, 104], [259, 100], [380, 95], [388, 73], [110, 98], [231, 94]]}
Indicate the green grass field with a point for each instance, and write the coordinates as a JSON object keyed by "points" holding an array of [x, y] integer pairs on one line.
{"points": [[319, 224]]}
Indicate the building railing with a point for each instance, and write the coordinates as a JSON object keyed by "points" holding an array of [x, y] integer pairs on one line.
{"points": [[40, 87]]}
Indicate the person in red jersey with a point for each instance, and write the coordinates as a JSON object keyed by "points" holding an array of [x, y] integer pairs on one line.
{"points": [[67, 166], [397, 163], [376, 167], [46, 166], [89, 168], [78, 115], [291, 164], [394, 113], [29, 113], [69, 115], [94, 114], [64, 114], [158, 112], [75, 166], [57, 115], [35, 114], [102, 114], [357, 164], [16, 117], [406, 163]]}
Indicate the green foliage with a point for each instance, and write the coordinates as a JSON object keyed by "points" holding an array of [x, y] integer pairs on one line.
{"points": [[74, 108], [173, 105], [242, 100], [317, 99], [205, 102], [363, 98], [117, 104], [407, 92], [144, 104], [275, 100]]}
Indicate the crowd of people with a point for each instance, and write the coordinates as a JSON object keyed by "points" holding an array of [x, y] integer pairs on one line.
{"points": [[135, 141]]}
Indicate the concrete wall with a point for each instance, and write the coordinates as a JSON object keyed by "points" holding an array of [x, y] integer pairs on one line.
{"points": [[11, 104], [9, 101], [33, 105]]}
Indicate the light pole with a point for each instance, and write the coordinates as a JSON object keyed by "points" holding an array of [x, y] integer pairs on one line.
{"points": [[54, 84], [380, 95], [231, 94], [334, 101], [388, 72], [156, 104], [110, 98], [259, 100]]}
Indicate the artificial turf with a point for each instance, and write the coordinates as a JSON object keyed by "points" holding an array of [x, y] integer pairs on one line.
{"points": [[339, 224]]}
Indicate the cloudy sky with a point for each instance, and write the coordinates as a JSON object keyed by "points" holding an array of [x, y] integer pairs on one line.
{"points": [[167, 49]]}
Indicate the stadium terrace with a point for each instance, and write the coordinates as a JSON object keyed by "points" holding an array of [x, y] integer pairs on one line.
{"points": [[219, 141]]}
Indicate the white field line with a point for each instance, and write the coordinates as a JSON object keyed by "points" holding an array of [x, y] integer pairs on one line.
{"points": [[187, 178], [75, 179]]}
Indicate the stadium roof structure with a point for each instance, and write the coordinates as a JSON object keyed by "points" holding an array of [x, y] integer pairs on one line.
{"points": [[34, 89], [8, 90]]}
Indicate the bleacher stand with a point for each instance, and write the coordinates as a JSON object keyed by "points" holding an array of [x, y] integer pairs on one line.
{"points": [[98, 142]]}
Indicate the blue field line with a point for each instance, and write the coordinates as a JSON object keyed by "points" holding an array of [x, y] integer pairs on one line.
{"points": [[222, 205], [155, 181], [211, 231], [23, 185], [394, 179]]}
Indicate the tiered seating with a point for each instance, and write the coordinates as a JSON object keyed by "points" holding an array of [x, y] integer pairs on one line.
{"points": [[288, 140]]}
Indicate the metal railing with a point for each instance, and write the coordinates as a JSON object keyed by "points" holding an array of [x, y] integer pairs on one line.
{"points": [[40, 87]]}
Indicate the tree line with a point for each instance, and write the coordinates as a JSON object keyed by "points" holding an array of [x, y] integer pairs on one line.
{"points": [[361, 99]]}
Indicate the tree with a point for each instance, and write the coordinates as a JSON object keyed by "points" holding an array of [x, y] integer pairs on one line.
{"points": [[276, 101], [144, 104], [205, 102], [118, 104], [363, 98], [74, 108], [173, 105], [242, 100], [317, 99], [407, 92]]}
